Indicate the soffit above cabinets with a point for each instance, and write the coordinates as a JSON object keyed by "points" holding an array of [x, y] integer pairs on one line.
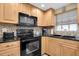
{"points": [[45, 6]]}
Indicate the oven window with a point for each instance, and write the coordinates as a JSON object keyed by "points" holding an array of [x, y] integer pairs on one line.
{"points": [[32, 47]]}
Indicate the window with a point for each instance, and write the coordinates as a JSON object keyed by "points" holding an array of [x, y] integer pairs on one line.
{"points": [[73, 27], [65, 28], [58, 28], [66, 17]]}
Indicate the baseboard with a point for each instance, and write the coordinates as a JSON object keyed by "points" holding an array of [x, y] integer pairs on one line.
{"points": [[47, 54]]}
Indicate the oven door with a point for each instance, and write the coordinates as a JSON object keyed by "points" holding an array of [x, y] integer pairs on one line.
{"points": [[30, 48]]}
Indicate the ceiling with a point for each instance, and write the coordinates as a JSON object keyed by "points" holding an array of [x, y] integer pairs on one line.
{"points": [[49, 5]]}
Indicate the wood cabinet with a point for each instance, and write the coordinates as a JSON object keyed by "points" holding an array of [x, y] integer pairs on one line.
{"points": [[53, 48], [61, 47], [25, 8], [78, 13], [40, 15], [47, 45], [10, 49], [68, 51], [43, 44], [1, 11], [9, 13], [49, 18], [46, 18], [34, 11]]}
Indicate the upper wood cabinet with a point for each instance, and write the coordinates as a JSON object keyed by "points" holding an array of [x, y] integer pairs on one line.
{"points": [[49, 18], [10, 13], [33, 11], [78, 13], [39, 14], [25, 8], [1, 11], [40, 19]]}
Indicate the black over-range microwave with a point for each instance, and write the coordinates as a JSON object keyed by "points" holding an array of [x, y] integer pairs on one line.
{"points": [[26, 20]]}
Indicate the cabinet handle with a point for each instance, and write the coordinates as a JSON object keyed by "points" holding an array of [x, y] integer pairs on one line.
{"points": [[7, 46]]}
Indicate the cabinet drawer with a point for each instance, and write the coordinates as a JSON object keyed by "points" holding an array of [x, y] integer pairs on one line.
{"points": [[5, 46], [11, 52]]}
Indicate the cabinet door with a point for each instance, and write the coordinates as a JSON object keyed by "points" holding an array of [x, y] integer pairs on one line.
{"points": [[10, 49], [77, 52], [40, 16], [67, 51], [25, 8], [78, 13], [43, 45], [49, 18], [47, 46], [1, 12], [54, 48], [33, 11], [11, 52], [10, 13]]}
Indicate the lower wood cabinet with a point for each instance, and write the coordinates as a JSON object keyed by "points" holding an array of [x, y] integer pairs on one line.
{"points": [[53, 47], [68, 51], [60, 47], [10, 49], [77, 52], [44, 47]]}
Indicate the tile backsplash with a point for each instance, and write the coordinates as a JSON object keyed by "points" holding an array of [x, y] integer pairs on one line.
{"points": [[69, 33], [12, 28], [7, 28]]}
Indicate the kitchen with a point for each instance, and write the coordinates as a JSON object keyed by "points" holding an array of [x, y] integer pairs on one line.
{"points": [[32, 29]]}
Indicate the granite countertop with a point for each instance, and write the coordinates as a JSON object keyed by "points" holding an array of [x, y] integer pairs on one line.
{"points": [[64, 37], [12, 40]]}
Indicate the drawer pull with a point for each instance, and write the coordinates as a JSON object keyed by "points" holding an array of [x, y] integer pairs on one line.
{"points": [[7, 46]]}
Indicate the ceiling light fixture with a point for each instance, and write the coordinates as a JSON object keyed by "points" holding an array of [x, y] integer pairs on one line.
{"points": [[42, 5]]}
